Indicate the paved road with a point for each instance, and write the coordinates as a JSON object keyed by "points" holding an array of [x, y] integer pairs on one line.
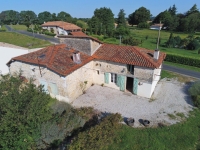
{"points": [[42, 37], [182, 71]]}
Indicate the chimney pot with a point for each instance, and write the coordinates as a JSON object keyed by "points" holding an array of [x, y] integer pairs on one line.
{"points": [[156, 54], [77, 57]]}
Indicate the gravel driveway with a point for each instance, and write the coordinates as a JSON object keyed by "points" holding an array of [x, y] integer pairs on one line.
{"points": [[169, 103]]}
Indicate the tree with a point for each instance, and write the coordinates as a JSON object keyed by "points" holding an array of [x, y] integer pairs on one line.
{"points": [[121, 21], [192, 10], [139, 16], [54, 17], [27, 17], [9, 16], [63, 16], [172, 10], [44, 17], [105, 19], [30, 118], [94, 25]]}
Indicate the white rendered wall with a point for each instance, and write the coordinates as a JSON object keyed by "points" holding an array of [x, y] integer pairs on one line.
{"points": [[61, 31], [6, 54]]}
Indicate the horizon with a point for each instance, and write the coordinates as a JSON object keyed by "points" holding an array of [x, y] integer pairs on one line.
{"points": [[75, 8]]}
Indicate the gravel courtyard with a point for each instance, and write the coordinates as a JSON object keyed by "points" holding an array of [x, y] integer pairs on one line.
{"points": [[167, 105]]}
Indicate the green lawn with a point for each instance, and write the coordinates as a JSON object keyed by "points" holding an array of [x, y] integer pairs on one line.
{"points": [[150, 42], [22, 40], [19, 27]]}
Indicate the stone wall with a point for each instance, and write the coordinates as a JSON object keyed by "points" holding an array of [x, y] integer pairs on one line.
{"points": [[143, 73], [69, 87]]}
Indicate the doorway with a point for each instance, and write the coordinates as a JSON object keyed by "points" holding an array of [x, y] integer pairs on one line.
{"points": [[129, 84]]}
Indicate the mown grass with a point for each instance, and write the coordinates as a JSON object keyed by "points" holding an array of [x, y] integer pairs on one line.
{"points": [[183, 66], [18, 27], [167, 74], [150, 42], [22, 40]]}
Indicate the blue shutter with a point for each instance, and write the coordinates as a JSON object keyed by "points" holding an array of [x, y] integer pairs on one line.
{"points": [[44, 83], [54, 89], [135, 86], [118, 80], [106, 77], [122, 83]]}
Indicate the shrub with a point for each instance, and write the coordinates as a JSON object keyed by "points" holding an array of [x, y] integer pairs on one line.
{"points": [[143, 25], [198, 52], [195, 93], [99, 136], [49, 33], [131, 41], [193, 45], [183, 60]]}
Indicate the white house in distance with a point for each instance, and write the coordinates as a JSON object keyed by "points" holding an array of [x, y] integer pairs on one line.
{"points": [[68, 69], [6, 53], [63, 28], [157, 27]]}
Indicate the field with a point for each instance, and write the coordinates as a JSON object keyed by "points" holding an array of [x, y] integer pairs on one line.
{"points": [[150, 42], [18, 27], [22, 40]]}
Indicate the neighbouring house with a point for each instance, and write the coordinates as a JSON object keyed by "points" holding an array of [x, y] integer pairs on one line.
{"points": [[68, 69], [63, 28], [6, 53], [157, 27]]}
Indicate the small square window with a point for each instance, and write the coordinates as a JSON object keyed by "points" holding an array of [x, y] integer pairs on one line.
{"points": [[113, 77]]}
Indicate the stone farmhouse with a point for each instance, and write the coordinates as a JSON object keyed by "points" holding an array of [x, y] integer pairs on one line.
{"points": [[63, 28], [68, 69]]}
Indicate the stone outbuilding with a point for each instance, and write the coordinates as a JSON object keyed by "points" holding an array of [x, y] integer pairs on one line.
{"points": [[68, 70]]}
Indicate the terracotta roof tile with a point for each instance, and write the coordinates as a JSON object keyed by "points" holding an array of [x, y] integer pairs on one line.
{"points": [[56, 58], [78, 33], [62, 24], [128, 55]]}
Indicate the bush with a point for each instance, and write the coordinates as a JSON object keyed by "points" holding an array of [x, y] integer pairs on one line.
{"points": [[2, 30], [183, 60], [30, 118], [99, 136], [198, 52], [130, 41], [49, 33], [194, 91], [143, 25], [193, 45]]}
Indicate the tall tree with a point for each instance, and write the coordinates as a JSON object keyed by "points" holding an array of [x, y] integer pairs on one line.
{"points": [[54, 17], [9, 16], [141, 15], [27, 16], [106, 20], [44, 17], [194, 9], [121, 20], [63, 16], [172, 10]]}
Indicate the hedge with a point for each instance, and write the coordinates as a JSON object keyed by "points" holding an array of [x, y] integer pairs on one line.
{"points": [[183, 60], [2, 30]]}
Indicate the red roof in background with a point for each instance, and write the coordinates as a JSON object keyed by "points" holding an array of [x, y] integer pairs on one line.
{"points": [[59, 58], [128, 55], [78, 33], [62, 24], [56, 58]]}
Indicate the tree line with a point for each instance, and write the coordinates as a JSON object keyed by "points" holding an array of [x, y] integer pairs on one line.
{"points": [[103, 21]]}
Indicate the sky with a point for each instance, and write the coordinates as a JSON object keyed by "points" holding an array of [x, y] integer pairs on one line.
{"points": [[85, 8]]}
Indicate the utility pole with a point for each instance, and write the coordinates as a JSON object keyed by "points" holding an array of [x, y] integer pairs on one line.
{"points": [[120, 37], [158, 36]]}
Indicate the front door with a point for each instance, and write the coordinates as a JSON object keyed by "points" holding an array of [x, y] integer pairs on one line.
{"points": [[129, 84]]}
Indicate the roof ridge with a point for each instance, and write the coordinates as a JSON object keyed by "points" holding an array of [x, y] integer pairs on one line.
{"points": [[144, 56]]}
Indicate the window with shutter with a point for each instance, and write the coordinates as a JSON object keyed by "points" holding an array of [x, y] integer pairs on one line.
{"points": [[44, 83], [122, 83], [53, 88]]}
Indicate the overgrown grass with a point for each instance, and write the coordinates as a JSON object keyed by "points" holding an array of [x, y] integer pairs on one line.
{"points": [[181, 136], [167, 74], [22, 40], [18, 27], [183, 66]]}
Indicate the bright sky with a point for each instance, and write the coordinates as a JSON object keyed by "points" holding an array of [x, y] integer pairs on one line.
{"points": [[85, 8]]}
